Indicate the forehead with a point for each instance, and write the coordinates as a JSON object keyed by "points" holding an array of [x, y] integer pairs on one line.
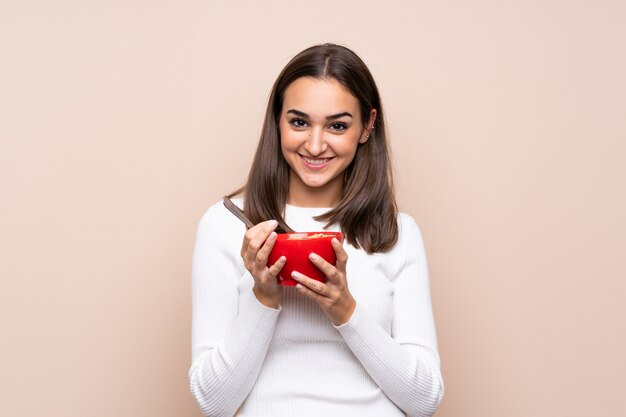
{"points": [[319, 97]]}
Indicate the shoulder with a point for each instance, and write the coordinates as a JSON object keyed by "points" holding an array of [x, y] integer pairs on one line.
{"points": [[408, 229], [409, 238], [410, 244], [407, 250], [218, 218], [218, 241]]}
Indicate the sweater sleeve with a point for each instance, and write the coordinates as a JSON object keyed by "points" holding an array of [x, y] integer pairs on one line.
{"points": [[231, 332], [405, 364]]}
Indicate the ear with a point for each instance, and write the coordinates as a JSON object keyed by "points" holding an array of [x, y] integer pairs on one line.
{"points": [[369, 126]]}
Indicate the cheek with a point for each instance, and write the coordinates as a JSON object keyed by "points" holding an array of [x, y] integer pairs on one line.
{"points": [[288, 146], [284, 149], [284, 138], [347, 146], [290, 140], [286, 142]]}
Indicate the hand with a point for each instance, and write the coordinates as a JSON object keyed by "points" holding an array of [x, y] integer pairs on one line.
{"points": [[257, 245], [333, 296]]}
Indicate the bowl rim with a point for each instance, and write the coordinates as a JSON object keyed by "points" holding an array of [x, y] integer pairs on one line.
{"points": [[332, 234]]}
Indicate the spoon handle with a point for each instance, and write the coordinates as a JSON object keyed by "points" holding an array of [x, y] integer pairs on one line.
{"points": [[237, 212], [232, 207]]}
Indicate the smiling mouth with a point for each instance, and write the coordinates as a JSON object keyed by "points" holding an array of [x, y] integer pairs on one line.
{"points": [[316, 163]]}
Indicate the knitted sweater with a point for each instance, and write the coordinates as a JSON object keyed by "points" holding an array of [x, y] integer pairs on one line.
{"points": [[292, 361]]}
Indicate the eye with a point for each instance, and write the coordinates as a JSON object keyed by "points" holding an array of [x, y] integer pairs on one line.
{"points": [[298, 123], [339, 127]]}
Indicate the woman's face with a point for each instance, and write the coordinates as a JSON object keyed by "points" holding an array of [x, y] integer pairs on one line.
{"points": [[320, 128]]}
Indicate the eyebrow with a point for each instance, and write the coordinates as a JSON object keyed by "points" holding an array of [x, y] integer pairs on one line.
{"points": [[332, 116]]}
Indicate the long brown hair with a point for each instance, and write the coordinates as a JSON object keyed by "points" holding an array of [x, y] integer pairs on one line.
{"points": [[367, 210]]}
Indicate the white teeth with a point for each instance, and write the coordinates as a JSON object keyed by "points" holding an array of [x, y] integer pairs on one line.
{"points": [[315, 161]]}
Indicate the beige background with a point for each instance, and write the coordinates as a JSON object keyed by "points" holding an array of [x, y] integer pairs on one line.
{"points": [[122, 121]]}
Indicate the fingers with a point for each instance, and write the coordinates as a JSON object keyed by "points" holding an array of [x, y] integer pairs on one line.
{"points": [[333, 273], [264, 252], [335, 300], [313, 289], [259, 234], [275, 269], [333, 297], [342, 256], [323, 266], [315, 296], [314, 285], [255, 240]]}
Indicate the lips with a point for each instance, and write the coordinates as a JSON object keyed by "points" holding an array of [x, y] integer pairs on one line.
{"points": [[315, 163]]}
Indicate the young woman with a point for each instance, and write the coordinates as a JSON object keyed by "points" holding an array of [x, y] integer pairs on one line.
{"points": [[361, 344]]}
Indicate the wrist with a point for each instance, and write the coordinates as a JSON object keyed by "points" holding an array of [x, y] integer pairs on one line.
{"points": [[346, 314], [268, 300]]}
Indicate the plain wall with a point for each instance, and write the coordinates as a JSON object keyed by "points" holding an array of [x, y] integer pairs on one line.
{"points": [[122, 121]]}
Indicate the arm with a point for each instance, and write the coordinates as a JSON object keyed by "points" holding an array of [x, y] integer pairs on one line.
{"points": [[229, 338], [404, 364]]}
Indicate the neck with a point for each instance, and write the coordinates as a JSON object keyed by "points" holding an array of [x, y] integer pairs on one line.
{"points": [[301, 195]]}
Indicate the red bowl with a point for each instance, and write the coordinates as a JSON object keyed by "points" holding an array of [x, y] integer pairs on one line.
{"points": [[296, 247]]}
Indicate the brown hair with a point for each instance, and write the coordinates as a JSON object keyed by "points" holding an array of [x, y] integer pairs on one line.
{"points": [[367, 210]]}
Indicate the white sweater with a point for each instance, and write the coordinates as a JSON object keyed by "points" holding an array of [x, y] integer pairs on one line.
{"points": [[292, 361]]}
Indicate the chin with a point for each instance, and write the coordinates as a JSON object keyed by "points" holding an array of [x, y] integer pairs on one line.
{"points": [[315, 184], [315, 181]]}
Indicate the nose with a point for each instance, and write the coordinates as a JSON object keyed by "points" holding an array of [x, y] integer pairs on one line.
{"points": [[315, 144]]}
